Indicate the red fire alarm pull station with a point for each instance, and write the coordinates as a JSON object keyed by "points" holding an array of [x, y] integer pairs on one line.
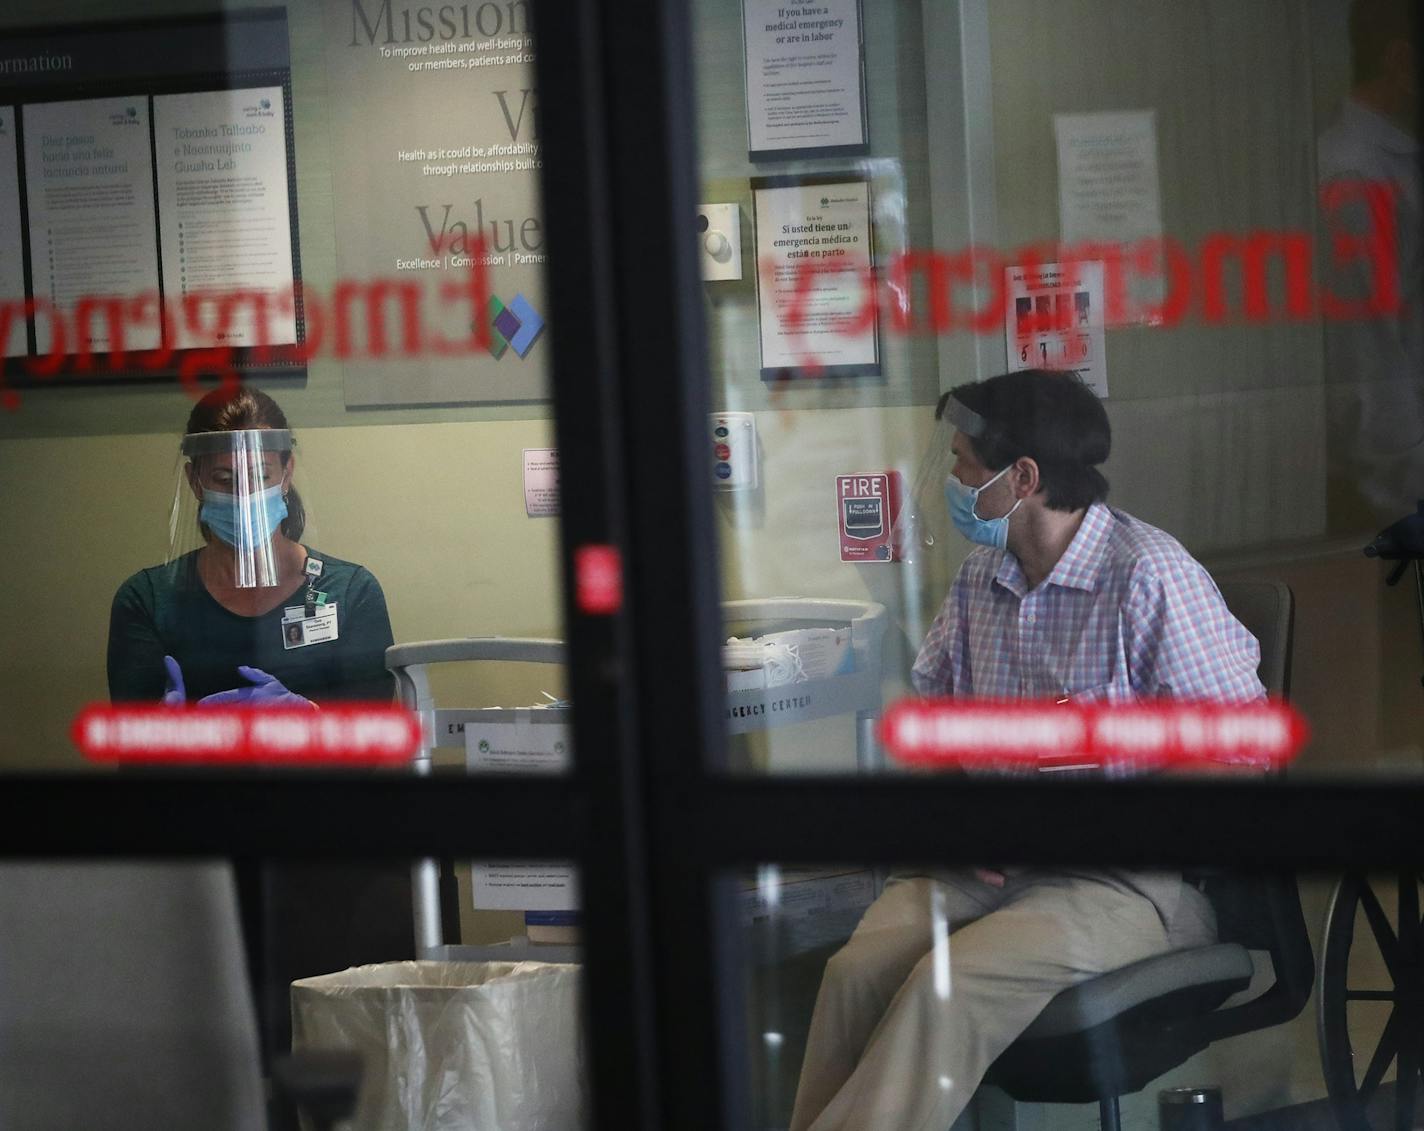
{"points": [[868, 506]]}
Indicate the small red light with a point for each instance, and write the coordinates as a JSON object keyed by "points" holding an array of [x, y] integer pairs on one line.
{"points": [[598, 579]]}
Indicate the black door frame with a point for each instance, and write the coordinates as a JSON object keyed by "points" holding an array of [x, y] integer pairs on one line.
{"points": [[651, 823]]}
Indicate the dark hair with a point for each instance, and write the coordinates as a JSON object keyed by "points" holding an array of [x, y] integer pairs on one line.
{"points": [[233, 410], [1052, 417], [1374, 25]]}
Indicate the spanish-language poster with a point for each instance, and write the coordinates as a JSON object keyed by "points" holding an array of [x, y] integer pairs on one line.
{"points": [[1053, 319], [435, 146], [1108, 186], [12, 267], [89, 179], [816, 304], [224, 217], [805, 81]]}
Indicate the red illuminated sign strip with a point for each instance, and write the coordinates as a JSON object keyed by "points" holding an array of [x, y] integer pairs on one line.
{"points": [[1049, 735], [353, 735]]}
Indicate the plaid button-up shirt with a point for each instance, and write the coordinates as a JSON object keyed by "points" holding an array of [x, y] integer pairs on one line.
{"points": [[1126, 614]]}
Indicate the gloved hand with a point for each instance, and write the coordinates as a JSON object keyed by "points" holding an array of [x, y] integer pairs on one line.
{"points": [[266, 691], [174, 694]]}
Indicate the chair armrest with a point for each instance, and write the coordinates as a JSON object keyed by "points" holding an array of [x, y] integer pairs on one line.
{"points": [[1292, 961]]}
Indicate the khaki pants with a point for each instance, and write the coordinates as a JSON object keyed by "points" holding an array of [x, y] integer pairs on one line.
{"points": [[942, 975]]}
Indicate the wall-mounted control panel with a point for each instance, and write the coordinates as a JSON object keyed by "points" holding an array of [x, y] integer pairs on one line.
{"points": [[734, 450]]}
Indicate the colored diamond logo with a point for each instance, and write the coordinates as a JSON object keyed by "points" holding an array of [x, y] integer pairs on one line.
{"points": [[498, 342], [507, 324], [517, 325], [530, 326]]}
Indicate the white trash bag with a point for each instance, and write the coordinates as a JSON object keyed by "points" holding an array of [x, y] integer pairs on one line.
{"points": [[473, 1046]]}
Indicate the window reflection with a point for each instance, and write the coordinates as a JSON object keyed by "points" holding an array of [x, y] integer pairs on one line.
{"points": [[1013, 992]]}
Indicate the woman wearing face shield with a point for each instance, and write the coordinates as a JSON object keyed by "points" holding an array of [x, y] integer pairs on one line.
{"points": [[254, 615]]}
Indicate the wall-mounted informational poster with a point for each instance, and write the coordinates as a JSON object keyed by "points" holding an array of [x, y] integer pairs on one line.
{"points": [[541, 482], [224, 212], [1108, 187], [1053, 319], [152, 163], [435, 163], [805, 79], [12, 262], [816, 295], [92, 228]]}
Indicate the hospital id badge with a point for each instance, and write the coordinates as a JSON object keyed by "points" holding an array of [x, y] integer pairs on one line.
{"points": [[302, 631]]}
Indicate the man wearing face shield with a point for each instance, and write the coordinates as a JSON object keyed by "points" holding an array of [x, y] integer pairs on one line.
{"points": [[1065, 600], [245, 611]]}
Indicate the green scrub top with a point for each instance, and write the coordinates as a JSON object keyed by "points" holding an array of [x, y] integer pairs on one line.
{"points": [[166, 611]]}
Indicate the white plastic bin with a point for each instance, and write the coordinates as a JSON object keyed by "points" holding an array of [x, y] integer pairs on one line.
{"points": [[454, 1046]]}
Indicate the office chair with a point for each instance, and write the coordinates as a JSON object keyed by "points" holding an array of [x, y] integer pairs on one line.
{"points": [[1114, 1034], [124, 1003]]}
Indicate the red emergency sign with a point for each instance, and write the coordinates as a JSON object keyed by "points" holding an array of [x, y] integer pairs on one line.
{"points": [[366, 734], [1047, 735]]}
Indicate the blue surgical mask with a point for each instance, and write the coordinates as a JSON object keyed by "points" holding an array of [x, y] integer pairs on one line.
{"points": [[244, 524], [962, 501]]}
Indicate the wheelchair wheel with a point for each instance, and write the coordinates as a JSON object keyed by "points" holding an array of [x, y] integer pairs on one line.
{"points": [[1370, 1001]]}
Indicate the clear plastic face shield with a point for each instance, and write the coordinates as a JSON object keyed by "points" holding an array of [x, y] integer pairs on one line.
{"points": [[234, 497], [924, 525]]}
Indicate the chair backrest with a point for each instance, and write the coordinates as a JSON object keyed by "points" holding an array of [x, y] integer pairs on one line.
{"points": [[124, 999], [1263, 912], [1267, 609]]}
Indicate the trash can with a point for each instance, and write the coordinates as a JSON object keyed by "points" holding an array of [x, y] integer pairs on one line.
{"points": [[1189, 1109], [473, 1046]]}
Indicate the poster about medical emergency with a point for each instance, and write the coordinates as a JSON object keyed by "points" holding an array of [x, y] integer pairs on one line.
{"points": [[816, 310], [435, 176], [804, 74], [1053, 319]]}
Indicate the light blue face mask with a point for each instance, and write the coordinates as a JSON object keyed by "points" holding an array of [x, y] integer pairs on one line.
{"points": [[962, 501], [246, 524]]}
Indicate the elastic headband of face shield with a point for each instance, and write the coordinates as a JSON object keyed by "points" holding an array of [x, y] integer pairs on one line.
{"points": [[924, 525], [252, 439], [234, 492], [964, 418]]}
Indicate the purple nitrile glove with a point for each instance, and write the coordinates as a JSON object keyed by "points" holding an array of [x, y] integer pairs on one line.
{"points": [[266, 691], [174, 694]]}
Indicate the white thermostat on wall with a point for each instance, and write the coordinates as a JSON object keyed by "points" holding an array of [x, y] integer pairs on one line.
{"points": [[734, 450], [719, 236]]}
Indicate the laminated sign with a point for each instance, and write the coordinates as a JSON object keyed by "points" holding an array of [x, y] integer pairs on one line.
{"points": [[868, 506]]}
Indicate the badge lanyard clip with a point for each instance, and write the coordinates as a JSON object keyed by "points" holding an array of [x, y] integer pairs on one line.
{"points": [[313, 571]]}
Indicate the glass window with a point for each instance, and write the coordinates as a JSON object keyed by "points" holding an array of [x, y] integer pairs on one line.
{"points": [[1016, 995], [1063, 357], [213, 994], [334, 208]]}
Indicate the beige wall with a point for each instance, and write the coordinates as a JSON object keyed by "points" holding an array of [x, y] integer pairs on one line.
{"points": [[414, 503]]}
